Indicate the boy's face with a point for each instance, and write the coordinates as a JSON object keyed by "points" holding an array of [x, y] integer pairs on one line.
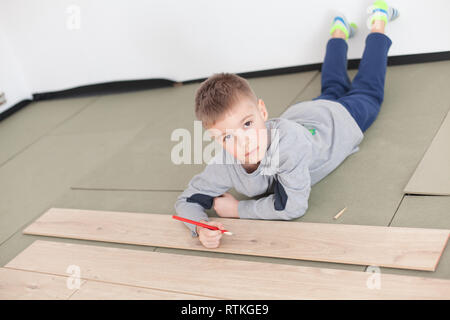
{"points": [[243, 132]]}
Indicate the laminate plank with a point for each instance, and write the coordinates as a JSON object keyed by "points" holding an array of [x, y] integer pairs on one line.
{"points": [[222, 278], [18, 284], [95, 290], [394, 247], [26, 285]]}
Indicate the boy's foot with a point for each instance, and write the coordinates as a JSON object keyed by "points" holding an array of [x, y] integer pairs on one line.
{"points": [[379, 10], [340, 22]]}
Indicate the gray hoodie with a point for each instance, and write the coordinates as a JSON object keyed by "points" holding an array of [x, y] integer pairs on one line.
{"points": [[308, 141]]}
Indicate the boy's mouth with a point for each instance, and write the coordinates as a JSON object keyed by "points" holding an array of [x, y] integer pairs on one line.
{"points": [[249, 153]]}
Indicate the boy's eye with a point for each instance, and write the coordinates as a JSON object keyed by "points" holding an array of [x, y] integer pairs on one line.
{"points": [[248, 123], [226, 137]]}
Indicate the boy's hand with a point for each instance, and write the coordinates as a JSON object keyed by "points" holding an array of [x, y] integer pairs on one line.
{"points": [[226, 206], [210, 238]]}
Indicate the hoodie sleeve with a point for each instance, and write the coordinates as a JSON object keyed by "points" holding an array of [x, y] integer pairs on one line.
{"points": [[212, 182], [292, 185]]}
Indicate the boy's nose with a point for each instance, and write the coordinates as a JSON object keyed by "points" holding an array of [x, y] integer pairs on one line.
{"points": [[243, 142]]}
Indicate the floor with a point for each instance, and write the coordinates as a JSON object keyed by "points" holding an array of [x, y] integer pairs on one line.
{"points": [[112, 152]]}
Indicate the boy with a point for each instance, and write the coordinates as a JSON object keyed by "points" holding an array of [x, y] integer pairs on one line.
{"points": [[312, 137]]}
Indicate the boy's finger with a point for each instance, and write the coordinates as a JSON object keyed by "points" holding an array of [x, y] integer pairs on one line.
{"points": [[213, 233], [212, 239], [211, 243], [218, 224], [214, 223], [214, 245]]}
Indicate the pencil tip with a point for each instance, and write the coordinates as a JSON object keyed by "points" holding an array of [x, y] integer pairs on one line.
{"points": [[228, 233]]}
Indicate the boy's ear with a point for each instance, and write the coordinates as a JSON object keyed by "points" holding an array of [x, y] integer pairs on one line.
{"points": [[262, 108]]}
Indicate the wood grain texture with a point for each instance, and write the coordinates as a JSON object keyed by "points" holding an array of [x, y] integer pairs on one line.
{"points": [[95, 290], [221, 278], [18, 284], [26, 285], [394, 247], [432, 175]]}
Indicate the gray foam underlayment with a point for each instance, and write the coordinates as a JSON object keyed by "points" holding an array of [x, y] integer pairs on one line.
{"points": [[145, 164], [52, 150]]}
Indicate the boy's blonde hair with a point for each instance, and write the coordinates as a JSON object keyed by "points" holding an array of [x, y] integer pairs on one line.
{"points": [[218, 94]]}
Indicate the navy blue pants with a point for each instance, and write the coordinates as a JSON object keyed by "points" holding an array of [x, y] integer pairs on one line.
{"points": [[362, 97]]}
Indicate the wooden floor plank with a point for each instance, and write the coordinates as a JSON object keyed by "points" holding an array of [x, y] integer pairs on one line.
{"points": [[26, 285], [222, 278], [18, 284], [95, 290], [394, 247], [432, 175]]}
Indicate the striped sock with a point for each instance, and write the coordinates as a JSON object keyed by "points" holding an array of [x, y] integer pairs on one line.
{"points": [[340, 22], [379, 10]]}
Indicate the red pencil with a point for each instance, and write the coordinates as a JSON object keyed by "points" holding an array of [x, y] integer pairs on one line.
{"points": [[202, 225]]}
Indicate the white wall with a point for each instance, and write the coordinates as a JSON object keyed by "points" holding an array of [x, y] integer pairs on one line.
{"points": [[183, 40], [12, 81]]}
